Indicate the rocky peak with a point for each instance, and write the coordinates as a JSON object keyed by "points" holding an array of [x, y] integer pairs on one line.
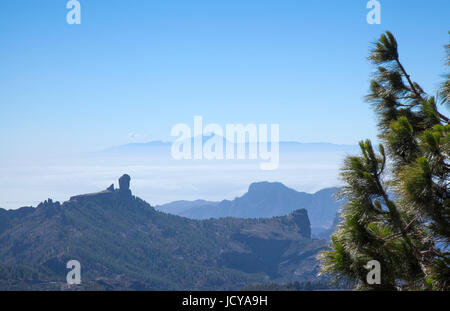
{"points": [[48, 204], [123, 191], [301, 219], [124, 184]]}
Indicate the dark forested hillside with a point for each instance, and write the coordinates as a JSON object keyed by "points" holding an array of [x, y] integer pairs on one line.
{"points": [[123, 243]]}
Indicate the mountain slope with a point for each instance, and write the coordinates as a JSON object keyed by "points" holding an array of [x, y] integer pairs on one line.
{"points": [[123, 243], [263, 199]]}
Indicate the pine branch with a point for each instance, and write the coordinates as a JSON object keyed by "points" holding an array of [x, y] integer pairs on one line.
{"points": [[414, 89], [403, 231]]}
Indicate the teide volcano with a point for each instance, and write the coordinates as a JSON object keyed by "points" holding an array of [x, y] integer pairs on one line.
{"points": [[124, 243]]}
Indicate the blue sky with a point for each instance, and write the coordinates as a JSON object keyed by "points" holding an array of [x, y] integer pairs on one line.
{"points": [[142, 66]]}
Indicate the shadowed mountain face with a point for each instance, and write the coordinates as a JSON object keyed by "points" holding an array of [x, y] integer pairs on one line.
{"points": [[123, 243], [326, 234], [263, 200]]}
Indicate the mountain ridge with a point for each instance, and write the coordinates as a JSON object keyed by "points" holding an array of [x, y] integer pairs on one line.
{"points": [[263, 199], [284, 145], [124, 243]]}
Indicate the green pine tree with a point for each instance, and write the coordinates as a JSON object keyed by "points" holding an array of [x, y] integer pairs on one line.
{"points": [[398, 209]]}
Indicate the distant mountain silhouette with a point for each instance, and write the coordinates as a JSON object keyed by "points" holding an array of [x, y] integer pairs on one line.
{"points": [[124, 243], [263, 200], [160, 147]]}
